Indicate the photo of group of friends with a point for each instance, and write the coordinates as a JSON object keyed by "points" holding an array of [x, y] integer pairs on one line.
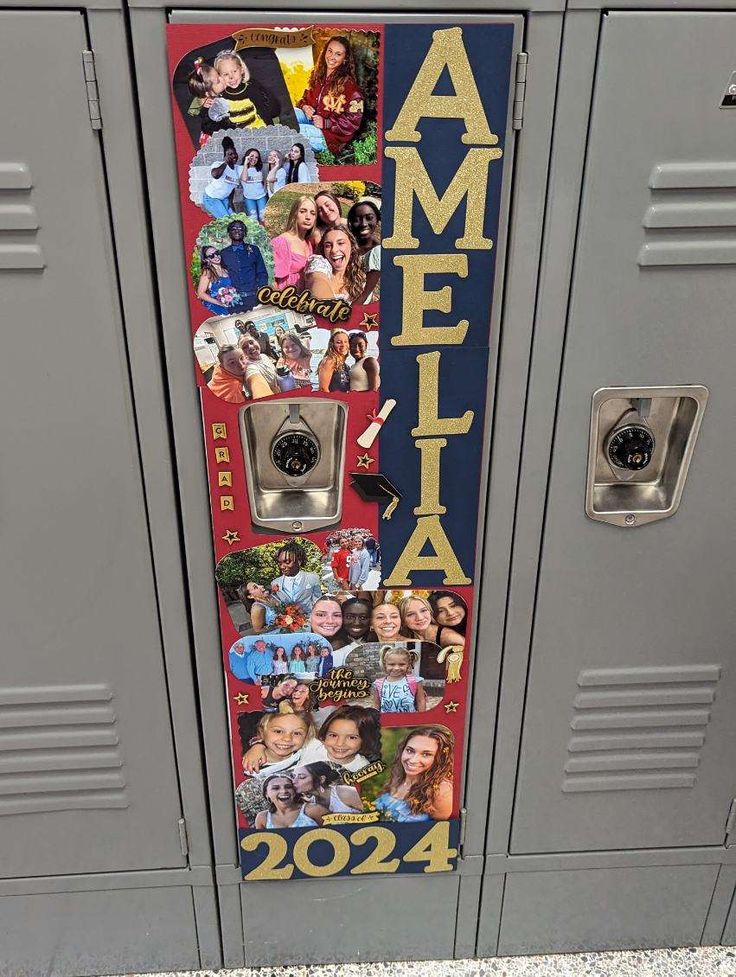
{"points": [[269, 352], [291, 586], [325, 238], [323, 87], [239, 172]]}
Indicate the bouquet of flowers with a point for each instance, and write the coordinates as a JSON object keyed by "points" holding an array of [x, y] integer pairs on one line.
{"points": [[227, 296], [290, 618]]}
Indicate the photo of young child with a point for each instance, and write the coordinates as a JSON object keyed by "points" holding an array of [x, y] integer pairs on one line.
{"points": [[405, 675], [250, 83], [349, 737], [207, 85], [251, 104], [397, 689]]}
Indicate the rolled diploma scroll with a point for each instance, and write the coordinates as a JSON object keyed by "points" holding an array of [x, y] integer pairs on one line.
{"points": [[371, 432]]}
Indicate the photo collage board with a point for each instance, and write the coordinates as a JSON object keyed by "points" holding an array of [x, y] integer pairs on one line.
{"points": [[340, 190]]}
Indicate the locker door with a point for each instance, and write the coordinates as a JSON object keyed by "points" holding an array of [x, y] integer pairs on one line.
{"points": [[88, 779], [630, 719]]}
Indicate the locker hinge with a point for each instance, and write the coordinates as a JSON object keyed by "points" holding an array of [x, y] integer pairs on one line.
{"points": [[93, 95], [517, 117], [461, 840], [730, 824], [183, 840]]}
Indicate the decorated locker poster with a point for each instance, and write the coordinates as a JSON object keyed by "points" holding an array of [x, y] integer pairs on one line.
{"points": [[340, 188]]}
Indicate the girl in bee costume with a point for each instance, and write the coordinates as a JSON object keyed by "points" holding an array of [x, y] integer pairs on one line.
{"points": [[250, 103]]}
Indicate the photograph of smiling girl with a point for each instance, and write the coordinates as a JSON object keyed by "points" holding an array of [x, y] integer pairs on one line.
{"points": [[326, 237], [417, 784]]}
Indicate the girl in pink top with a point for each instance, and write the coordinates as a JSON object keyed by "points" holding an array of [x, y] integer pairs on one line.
{"points": [[293, 248]]}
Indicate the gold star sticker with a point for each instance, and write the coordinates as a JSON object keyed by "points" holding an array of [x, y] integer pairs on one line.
{"points": [[241, 698], [451, 706], [369, 321], [365, 461], [231, 536]]}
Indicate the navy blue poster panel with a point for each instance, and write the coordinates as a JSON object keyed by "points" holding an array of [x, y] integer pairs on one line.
{"points": [[440, 369]]}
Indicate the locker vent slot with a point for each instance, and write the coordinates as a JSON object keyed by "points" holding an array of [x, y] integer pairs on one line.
{"points": [[639, 728], [59, 750], [691, 218], [18, 220]]}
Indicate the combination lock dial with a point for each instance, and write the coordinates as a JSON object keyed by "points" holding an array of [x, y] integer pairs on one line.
{"points": [[295, 453], [630, 447]]}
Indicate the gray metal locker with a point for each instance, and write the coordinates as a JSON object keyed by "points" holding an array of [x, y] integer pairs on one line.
{"points": [[95, 875], [615, 820], [79, 509], [446, 925]]}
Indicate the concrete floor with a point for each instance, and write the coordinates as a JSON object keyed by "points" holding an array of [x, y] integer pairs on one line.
{"points": [[684, 962]]}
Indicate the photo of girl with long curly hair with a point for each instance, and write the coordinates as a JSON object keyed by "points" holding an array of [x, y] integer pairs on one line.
{"points": [[420, 781], [330, 111]]}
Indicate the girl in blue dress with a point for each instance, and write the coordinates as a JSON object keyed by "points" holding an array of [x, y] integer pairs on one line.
{"points": [[215, 289], [420, 784], [297, 661]]}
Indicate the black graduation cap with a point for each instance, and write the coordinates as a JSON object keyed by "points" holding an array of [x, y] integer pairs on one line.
{"points": [[375, 487]]}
